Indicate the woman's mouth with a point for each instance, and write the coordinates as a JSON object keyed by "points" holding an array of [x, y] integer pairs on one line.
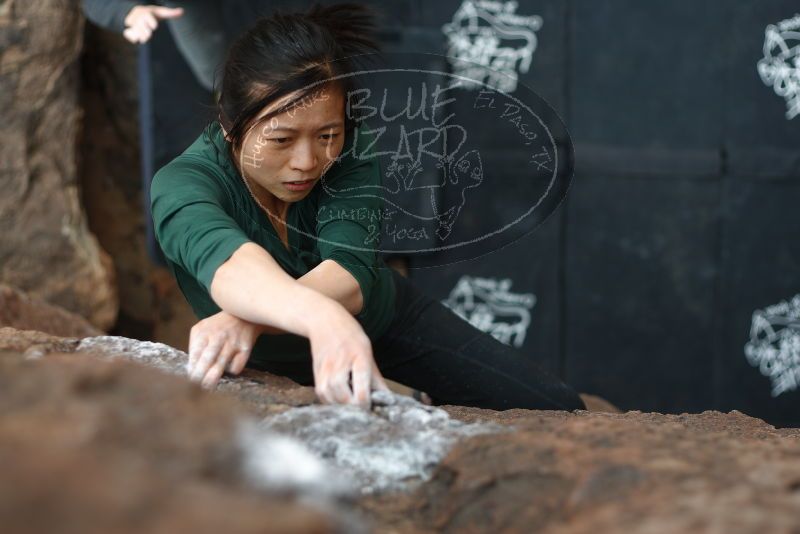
{"points": [[299, 186]]}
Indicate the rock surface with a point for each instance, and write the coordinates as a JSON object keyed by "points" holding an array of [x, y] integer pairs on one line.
{"points": [[396, 443], [82, 431], [151, 305], [633, 472], [99, 446], [47, 249], [20, 311]]}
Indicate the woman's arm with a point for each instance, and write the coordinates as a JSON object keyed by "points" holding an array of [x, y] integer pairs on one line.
{"points": [[333, 281], [250, 285], [336, 282]]}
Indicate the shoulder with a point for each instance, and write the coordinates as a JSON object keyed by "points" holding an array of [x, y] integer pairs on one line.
{"points": [[188, 181], [187, 175], [202, 170]]}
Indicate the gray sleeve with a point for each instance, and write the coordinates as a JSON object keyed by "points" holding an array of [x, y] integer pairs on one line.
{"points": [[110, 14]]}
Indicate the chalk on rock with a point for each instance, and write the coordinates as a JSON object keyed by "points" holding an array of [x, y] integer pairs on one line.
{"points": [[392, 447], [156, 355], [282, 463]]}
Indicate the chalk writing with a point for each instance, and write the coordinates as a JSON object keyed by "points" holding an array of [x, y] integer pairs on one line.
{"points": [[488, 41], [780, 66], [307, 101], [253, 157], [331, 213], [489, 305], [774, 346], [423, 165], [396, 233]]}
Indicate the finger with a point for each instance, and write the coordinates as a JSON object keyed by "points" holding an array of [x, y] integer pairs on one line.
{"points": [[197, 343], [339, 389], [318, 380], [167, 12], [215, 371], [149, 21], [378, 383], [335, 375], [146, 33], [131, 35], [361, 384], [322, 393], [206, 360], [238, 362], [138, 33]]}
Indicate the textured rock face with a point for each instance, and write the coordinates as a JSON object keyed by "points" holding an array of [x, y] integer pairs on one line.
{"points": [[46, 249], [151, 305], [398, 442], [632, 472], [20, 311], [97, 446], [126, 436]]}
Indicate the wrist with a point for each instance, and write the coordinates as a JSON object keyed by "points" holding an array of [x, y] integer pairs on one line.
{"points": [[314, 309]]}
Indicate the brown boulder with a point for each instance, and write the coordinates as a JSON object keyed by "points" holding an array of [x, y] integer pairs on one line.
{"points": [[47, 249], [20, 311], [552, 472], [601, 472], [90, 445]]}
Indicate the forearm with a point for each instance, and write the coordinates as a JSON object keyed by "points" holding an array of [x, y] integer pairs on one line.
{"points": [[333, 281], [252, 286]]}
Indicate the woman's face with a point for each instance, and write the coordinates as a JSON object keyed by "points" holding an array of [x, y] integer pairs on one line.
{"points": [[298, 145]]}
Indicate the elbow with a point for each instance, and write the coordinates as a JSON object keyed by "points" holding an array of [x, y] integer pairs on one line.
{"points": [[225, 274], [357, 301]]}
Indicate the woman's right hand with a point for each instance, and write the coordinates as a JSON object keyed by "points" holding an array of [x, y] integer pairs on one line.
{"points": [[342, 354]]}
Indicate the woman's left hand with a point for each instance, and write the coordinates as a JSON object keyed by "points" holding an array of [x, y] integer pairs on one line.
{"points": [[220, 343]]}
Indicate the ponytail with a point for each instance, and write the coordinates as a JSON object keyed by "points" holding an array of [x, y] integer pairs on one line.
{"points": [[351, 25]]}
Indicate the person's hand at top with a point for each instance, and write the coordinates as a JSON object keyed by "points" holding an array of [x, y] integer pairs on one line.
{"points": [[142, 21]]}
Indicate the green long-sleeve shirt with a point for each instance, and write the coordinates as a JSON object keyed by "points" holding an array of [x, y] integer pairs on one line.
{"points": [[203, 212]]}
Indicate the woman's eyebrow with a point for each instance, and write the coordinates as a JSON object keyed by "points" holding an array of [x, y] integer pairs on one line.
{"points": [[323, 127]]}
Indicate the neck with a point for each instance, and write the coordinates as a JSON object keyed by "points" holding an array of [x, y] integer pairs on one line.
{"points": [[275, 207]]}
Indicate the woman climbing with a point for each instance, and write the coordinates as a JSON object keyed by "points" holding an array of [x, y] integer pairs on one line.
{"points": [[279, 288]]}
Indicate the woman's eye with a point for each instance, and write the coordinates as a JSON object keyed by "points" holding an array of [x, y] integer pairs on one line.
{"points": [[329, 137], [279, 140]]}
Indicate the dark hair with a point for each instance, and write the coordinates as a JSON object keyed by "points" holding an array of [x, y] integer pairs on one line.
{"points": [[288, 52]]}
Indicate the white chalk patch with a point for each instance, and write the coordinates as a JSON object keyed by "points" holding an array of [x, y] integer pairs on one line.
{"points": [[392, 447], [283, 463]]}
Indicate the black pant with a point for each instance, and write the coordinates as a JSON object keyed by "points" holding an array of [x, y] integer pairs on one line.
{"points": [[430, 348]]}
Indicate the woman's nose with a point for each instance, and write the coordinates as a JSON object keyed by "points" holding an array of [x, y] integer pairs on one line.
{"points": [[303, 158]]}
